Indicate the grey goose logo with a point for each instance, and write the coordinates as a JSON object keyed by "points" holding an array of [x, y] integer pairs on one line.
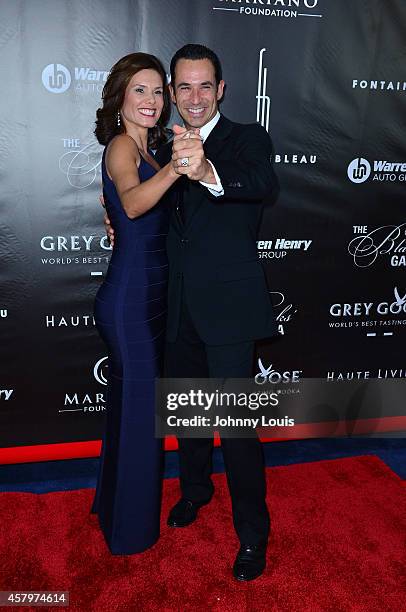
{"points": [[273, 376]]}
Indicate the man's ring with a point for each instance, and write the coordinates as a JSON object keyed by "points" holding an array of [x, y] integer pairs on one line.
{"points": [[184, 161]]}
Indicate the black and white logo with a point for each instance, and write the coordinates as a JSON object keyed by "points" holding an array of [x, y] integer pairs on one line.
{"points": [[100, 371], [56, 78], [295, 158], [72, 250], [359, 170], [88, 403], [263, 100], [72, 320], [284, 311], [278, 248], [269, 375], [384, 373], [72, 243], [270, 8], [80, 164], [375, 85], [386, 242], [381, 318]]}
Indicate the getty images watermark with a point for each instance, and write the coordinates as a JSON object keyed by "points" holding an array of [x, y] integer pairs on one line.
{"points": [[280, 407], [217, 403], [192, 408]]}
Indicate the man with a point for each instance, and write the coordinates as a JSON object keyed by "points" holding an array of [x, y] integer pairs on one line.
{"points": [[218, 301]]}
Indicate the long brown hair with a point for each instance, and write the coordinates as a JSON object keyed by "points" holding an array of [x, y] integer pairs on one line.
{"points": [[113, 98]]}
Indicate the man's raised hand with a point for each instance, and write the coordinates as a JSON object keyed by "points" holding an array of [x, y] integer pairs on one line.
{"points": [[188, 156]]}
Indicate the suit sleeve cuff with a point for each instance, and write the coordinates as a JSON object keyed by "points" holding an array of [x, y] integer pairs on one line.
{"points": [[216, 188]]}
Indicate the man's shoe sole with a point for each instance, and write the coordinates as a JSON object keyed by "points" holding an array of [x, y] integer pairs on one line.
{"points": [[241, 579]]}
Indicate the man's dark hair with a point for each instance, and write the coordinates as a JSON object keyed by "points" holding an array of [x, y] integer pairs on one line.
{"points": [[196, 52]]}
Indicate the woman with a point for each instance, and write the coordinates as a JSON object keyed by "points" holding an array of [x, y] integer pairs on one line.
{"points": [[130, 307]]}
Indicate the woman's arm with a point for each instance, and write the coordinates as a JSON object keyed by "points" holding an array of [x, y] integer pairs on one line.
{"points": [[121, 163]]}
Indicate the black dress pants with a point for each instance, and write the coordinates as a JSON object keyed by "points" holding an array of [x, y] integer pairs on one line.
{"points": [[190, 357]]}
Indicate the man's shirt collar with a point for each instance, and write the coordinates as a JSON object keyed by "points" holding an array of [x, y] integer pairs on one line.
{"points": [[206, 129]]}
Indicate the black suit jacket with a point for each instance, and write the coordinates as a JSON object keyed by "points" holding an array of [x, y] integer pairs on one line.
{"points": [[213, 255]]}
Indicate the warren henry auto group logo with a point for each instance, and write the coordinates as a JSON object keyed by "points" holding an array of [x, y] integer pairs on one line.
{"points": [[360, 170], [57, 78], [278, 248]]}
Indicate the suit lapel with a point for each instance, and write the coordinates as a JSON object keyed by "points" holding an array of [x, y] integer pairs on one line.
{"points": [[217, 137]]}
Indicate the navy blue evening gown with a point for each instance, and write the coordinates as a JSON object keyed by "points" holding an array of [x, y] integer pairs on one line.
{"points": [[130, 313]]}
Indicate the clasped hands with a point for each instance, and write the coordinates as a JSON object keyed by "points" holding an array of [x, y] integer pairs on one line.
{"points": [[188, 156], [187, 144]]}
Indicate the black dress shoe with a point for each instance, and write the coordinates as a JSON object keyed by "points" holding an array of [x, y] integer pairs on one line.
{"points": [[184, 513], [250, 561]]}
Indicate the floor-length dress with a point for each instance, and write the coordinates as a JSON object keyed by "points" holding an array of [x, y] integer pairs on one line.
{"points": [[130, 313]]}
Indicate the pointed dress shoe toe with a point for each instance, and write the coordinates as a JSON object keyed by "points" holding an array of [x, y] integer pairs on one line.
{"points": [[250, 561], [183, 513]]}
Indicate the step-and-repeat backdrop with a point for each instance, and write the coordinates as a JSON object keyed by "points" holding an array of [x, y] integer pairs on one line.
{"points": [[325, 77]]}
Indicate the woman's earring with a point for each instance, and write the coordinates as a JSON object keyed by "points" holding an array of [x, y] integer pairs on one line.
{"points": [[118, 119]]}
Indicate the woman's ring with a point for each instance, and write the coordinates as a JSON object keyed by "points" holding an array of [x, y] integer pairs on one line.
{"points": [[184, 161]]}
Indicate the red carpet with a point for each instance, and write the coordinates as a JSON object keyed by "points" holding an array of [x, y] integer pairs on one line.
{"points": [[337, 544]]}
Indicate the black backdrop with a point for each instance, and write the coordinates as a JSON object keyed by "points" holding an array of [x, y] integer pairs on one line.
{"points": [[326, 77]]}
